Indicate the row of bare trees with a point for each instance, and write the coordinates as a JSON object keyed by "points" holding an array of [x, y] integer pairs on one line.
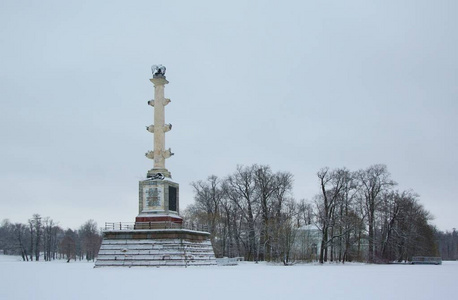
{"points": [[43, 238], [249, 213], [356, 215], [362, 216]]}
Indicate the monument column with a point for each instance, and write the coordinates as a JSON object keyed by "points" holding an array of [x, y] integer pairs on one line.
{"points": [[158, 194], [159, 237], [159, 128]]}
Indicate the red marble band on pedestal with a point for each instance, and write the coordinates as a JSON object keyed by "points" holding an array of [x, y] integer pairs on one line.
{"points": [[172, 219]]}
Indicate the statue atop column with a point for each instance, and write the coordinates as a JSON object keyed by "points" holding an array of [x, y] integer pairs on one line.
{"points": [[158, 71]]}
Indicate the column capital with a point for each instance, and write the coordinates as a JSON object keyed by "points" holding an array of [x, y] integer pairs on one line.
{"points": [[159, 81]]}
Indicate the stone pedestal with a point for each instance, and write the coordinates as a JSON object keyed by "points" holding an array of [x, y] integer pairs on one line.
{"points": [[155, 248], [158, 201]]}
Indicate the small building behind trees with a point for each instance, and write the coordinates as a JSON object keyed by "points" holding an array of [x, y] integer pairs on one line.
{"points": [[307, 243]]}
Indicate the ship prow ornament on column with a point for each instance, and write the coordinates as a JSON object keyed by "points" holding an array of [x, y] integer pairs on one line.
{"points": [[158, 237]]}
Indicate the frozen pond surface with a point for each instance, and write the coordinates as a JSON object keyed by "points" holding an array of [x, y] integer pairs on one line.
{"points": [[79, 280]]}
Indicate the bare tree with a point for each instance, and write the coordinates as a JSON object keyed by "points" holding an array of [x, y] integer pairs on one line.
{"points": [[240, 189], [265, 186], [207, 198], [51, 235], [229, 234], [284, 217], [373, 181], [36, 233], [20, 232], [91, 239], [285, 232], [348, 217], [68, 244], [331, 183]]}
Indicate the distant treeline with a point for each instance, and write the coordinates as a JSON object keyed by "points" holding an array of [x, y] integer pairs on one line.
{"points": [[355, 216], [42, 238], [448, 244]]}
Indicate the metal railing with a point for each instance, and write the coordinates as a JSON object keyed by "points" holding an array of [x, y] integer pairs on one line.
{"points": [[154, 225], [426, 260]]}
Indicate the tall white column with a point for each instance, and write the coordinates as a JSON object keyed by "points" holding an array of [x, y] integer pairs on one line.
{"points": [[159, 128]]}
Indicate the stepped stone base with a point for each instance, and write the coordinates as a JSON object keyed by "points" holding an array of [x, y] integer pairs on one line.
{"points": [[155, 248]]}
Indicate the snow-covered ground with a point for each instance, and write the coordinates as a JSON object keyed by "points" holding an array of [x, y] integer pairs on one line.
{"points": [[79, 280]]}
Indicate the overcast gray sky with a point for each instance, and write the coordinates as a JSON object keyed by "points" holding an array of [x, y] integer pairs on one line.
{"points": [[297, 85]]}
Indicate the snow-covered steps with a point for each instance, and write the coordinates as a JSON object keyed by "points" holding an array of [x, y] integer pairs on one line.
{"points": [[155, 248]]}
